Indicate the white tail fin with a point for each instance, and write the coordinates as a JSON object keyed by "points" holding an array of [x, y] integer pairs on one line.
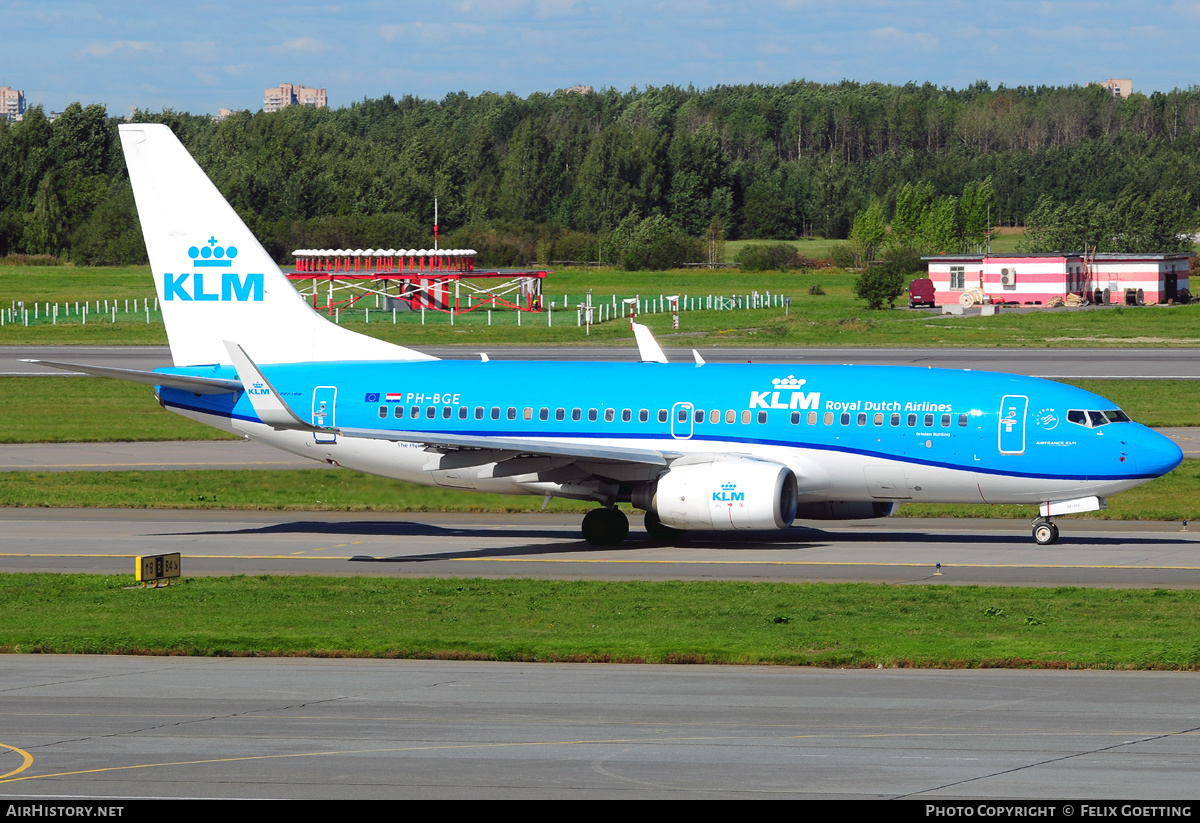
{"points": [[215, 281]]}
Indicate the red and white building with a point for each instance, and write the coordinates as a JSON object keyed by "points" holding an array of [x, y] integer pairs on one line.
{"points": [[1032, 279]]}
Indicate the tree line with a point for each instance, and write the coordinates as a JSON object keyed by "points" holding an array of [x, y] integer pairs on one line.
{"points": [[610, 176]]}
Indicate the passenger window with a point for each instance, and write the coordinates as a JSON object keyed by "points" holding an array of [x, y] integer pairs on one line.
{"points": [[699, 415], [592, 415], [512, 412], [495, 412], [762, 417], [431, 412], [714, 416], [912, 420], [479, 412], [610, 415], [576, 414], [862, 418], [845, 418], [543, 413], [383, 411], [795, 418], [945, 421], [683, 415], [746, 417], [828, 418], [560, 414], [929, 421], [962, 421], [662, 415], [730, 416], [878, 418], [812, 418], [644, 416], [528, 413], [462, 412], [447, 412], [626, 415], [398, 412], [895, 420]]}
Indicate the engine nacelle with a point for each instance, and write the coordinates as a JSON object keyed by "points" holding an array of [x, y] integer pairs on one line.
{"points": [[845, 510], [723, 496]]}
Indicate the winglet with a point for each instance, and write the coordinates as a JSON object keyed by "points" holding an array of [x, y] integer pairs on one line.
{"points": [[268, 405], [648, 348], [699, 360]]}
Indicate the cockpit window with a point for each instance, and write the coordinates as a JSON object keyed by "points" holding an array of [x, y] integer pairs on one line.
{"points": [[1093, 419]]}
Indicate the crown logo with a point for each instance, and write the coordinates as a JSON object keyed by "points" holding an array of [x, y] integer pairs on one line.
{"points": [[728, 487], [788, 382], [212, 255]]}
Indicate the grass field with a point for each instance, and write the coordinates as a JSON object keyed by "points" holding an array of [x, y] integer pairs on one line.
{"points": [[857, 625], [834, 318]]}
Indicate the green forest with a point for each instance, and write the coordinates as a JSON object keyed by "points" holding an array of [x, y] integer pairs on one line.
{"points": [[598, 176]]}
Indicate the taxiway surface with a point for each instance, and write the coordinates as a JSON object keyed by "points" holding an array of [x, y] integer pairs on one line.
{"points": [[179, 728], [1106, 363], [895, 550]]}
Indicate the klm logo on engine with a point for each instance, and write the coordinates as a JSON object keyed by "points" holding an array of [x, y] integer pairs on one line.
{"points": [[728, 494], [233, 287], [785, 386]]}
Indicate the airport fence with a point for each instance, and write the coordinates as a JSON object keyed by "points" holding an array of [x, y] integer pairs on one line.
{"points": [[577, 310]]}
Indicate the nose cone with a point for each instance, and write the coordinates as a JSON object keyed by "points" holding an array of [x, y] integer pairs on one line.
{"points": [[1155, 455]]}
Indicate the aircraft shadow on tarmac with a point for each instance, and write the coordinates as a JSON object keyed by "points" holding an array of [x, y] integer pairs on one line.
{"points": [[568, 539]]}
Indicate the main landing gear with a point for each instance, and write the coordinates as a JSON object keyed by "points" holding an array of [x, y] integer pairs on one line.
{"points": [[605, 527], [660, 533], [1045, 533]]}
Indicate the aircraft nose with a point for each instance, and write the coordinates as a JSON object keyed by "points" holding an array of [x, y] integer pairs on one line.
{"points": [[1154, 454]]}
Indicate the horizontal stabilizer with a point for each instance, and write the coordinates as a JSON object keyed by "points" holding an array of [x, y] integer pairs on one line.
{"points": [[196, 385]]}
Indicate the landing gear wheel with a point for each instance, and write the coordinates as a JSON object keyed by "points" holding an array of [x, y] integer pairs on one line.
{"points": [[605, 527], [660, 533], [1045, 533]]}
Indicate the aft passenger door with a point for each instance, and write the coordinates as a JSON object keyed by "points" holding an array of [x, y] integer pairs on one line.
{"points": [[323, 404]]}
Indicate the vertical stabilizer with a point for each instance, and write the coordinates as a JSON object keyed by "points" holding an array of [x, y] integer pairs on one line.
{"points": [[215, 282]]}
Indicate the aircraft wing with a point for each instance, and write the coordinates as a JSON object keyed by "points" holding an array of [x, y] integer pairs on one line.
{"points": [[196, 385], [273, 410], [518, 445]]}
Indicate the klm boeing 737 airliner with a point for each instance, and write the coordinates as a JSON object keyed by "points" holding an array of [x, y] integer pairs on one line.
{"points": [[698, 446]]}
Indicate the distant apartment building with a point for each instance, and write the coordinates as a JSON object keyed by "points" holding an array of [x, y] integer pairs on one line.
{"points": [[286, 94], [1118, 88], [12, 104]]}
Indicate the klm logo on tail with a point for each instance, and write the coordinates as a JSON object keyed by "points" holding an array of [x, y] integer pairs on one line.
{"points": [[233, 287]]}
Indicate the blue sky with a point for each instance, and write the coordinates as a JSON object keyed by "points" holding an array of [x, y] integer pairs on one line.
{"points": [[202, 56]]}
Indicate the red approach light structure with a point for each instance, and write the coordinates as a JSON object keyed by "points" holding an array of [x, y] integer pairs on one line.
{"points": [[444, 280]]}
